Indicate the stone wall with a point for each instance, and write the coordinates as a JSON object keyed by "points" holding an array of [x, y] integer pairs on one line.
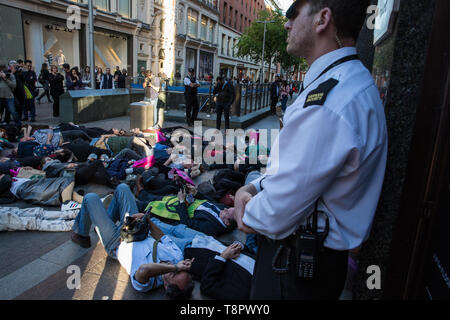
{"points": [[404, 56]]}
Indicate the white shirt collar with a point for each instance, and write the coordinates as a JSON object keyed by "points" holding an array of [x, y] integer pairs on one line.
{"points": [[324, 61]]}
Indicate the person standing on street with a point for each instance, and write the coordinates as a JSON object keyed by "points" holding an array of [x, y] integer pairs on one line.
{"points": [[318, 198], [44, 80], [107, 80], [154, 86], [224, 94], [191, 85], [30, 82], [284, 94], [56, 81], [19, 91], [274, 94], [7, 86], [98, 78]]}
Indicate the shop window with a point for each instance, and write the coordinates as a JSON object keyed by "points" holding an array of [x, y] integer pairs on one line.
{"points": [[192, 23], [111, 50]]}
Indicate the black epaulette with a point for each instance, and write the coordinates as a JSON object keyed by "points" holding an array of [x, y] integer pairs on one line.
{"points": [[318, 96]]}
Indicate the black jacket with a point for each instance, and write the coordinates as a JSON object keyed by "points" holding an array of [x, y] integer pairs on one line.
{"points": [[273, 90], [219, 280], [56, 84], [202, 221], [19, 90], [225, 93]]}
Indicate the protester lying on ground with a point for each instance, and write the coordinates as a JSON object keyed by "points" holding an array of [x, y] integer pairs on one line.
{"points": [[115, 144], [223, 276], [36, 219], [46, 192], [91, 171], [92, 132], [211, 218], [143, 260]]}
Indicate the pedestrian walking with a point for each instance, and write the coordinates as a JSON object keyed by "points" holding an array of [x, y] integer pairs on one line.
{"points": [[44, 80], [30, 83]]}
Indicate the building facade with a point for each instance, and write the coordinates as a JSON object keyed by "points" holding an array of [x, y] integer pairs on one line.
{"points": [[196, 44], [122, 32]]}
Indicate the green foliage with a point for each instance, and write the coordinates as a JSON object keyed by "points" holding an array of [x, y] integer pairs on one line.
{"points": [[251, 42]]}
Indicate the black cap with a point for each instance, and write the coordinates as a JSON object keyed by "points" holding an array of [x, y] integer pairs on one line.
{"points": [[292, 11], [191, 70]]}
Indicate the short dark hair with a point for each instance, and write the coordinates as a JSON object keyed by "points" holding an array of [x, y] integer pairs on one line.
{"points": [[232, 224], [19, 61], [219, 79], [66, 66], [175, 293], [26, 61], [348, 15]]}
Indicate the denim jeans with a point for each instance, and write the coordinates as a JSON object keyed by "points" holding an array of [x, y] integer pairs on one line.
{"points": [[10, 107], [284, 103], [252, 176], [93, 212], [30, 107], [180, 234]]}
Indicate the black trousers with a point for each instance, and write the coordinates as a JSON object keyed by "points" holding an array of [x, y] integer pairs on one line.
{"points": [[226, 111], [192, 106], [268, 285], [93, 172], [273, 105], [55, 105]]}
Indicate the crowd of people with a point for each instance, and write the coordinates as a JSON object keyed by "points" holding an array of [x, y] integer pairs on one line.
{"points": [[152, 173], [19, 90]]}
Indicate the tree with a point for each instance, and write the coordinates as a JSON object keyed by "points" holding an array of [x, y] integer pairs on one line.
{"points": [[251, 42]]}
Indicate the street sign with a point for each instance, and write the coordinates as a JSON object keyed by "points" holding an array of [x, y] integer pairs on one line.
{"points": [[385, 20]]}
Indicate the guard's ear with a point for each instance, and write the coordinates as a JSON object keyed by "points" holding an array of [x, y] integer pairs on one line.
{"points": [[323, 19]]}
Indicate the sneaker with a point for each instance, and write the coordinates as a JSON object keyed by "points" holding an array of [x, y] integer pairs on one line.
{"points": [[107, 200], [70, 205], [84, 242]]}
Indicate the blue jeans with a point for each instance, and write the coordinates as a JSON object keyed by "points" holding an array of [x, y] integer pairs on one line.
{"points": [[252, 176], [29, 108], [284, 103], [10, 107], [180, 234], [93, 212]]}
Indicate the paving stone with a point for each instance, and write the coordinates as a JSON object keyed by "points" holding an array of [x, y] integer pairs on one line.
{"points": [[26, 277]]}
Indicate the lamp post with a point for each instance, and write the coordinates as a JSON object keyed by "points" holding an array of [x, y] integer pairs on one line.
{"points": [[91, 43], [264, 45]]}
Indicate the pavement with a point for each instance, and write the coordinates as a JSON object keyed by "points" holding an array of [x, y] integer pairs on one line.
{"points": [[40, 265]]}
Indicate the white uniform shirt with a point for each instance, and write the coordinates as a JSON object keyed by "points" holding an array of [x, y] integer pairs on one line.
{"points": [[187, 81], [336, 151]]}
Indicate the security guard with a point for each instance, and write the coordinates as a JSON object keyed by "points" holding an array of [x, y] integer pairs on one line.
{"points": [[318, 197], [190, 93]]}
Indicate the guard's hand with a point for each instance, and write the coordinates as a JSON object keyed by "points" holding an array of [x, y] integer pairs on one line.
{"points": [[240, 201]]}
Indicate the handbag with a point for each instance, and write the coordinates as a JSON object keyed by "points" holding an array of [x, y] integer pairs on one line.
{"points": [[28, 95]]}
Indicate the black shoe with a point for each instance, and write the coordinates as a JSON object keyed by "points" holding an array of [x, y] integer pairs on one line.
{"points": [[84, 242]]}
